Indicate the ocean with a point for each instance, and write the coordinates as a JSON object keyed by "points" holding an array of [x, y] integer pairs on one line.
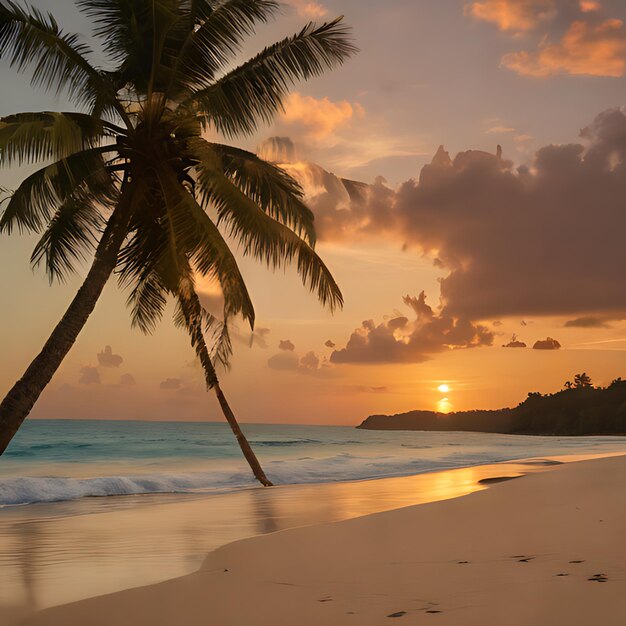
{"points": [[62, 460]]}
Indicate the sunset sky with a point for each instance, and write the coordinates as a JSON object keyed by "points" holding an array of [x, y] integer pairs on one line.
{"points": [[444, 255]]}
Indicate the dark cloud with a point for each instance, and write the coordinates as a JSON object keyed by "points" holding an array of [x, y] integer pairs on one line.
{"points": [[106, 358], [541, 240], [171, 384], [127, 380], [515, 343], [289, 361], [310, 362], [330, 344], [590, 321], [284, 362], [286, 346], [400, 340], [547, 344], [89, 376]]}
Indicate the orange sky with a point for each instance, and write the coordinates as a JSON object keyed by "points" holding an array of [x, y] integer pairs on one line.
{"points": [[526, 243]]}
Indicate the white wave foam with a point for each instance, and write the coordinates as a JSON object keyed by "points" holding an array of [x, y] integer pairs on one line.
{"points": [[340, 467]]}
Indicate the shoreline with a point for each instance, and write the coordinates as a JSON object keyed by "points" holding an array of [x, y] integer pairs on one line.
{"points": [[164, 538], [559, 558]]}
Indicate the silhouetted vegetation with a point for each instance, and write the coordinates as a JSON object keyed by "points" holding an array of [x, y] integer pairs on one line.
{"points": [[578, 409]]}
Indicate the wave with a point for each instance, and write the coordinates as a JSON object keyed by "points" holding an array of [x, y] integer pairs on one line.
{"points": [[20, 490]]}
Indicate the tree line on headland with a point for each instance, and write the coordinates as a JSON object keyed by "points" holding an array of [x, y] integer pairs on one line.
{"points": [[580, 408]]}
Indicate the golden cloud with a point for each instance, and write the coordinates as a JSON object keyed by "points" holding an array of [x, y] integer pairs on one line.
{"points": [[309, 8], [585, 49], [512, 15], [320, 117]]}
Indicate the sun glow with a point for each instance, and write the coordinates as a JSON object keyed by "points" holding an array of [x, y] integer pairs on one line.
{"points": [[443, 388]]}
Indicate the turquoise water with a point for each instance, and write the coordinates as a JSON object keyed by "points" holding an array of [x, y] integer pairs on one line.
{"points": [[55, 460]]}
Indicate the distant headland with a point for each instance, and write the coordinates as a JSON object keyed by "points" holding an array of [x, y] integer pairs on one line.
{"points": [[578, 409]]}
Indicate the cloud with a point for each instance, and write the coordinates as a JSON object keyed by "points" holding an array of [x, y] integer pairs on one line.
{"points": [[278, 150], [171, 384], [512, 15], [318, 118], [89, 376], [330, 344], [589, 321], [592, 49], [515, 343], [567, 36], [499, 130], [310, 9], [284, 362], [106, 358], [400, 340], [547, 344], [287, 346], [310, 362], [127, 380], [509, 240], [512, 240], [289, 361]]}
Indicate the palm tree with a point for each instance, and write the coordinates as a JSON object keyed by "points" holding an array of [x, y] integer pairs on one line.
{"points": [[131, 180]]}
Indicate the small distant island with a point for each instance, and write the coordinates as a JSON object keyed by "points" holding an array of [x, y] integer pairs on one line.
{"points": [[579, 408]]}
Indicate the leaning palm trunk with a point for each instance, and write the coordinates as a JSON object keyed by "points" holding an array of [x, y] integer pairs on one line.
{"points": [[21, 398], [259, 474], [191, 310]]}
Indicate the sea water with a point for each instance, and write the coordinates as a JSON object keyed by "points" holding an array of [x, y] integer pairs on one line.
{"points": [[58, 460]]}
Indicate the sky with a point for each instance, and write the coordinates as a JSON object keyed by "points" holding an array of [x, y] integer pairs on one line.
{"points": [[481, 249]]}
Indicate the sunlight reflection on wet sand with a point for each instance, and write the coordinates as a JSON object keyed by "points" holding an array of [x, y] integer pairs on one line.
{"points": [[56, 553]]}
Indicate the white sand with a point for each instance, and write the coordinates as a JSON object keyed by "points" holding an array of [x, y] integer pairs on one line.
{"points": [[516, 538]]}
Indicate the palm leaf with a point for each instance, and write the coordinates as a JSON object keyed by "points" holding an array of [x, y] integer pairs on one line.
{"points": [[46, 135], [263, 237], [254, 92], [70, 236], [269, 186], [31, 37], [216, 32], [40, 195]]}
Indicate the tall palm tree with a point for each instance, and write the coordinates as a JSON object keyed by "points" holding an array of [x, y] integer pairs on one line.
{"points": [[131, 179]]}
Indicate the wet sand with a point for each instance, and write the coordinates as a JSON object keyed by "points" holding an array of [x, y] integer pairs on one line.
{"points": [[343, 563]]}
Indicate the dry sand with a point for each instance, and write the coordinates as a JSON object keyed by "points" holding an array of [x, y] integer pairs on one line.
{"points": [[545, 549]]}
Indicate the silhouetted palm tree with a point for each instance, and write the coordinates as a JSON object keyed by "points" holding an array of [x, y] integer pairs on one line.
{"points": [[132, 179]]}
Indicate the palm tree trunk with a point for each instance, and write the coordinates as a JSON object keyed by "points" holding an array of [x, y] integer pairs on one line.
{"points": [[257, 470], [191, 308], [21, 398]]}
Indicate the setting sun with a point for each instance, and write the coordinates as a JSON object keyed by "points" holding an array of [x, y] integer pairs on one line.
{"points": [[443, 388]]}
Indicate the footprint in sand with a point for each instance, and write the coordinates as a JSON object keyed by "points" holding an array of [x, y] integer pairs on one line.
{"points": [[398, 614], [576, 562], [598, 578]]}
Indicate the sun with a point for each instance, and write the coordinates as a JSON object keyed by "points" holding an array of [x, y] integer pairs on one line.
{"points": [[443, 388]]}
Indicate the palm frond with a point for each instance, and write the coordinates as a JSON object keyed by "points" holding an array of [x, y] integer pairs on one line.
{"points": [[39, 196], [70, 236], [31, 37], [215, 34], [46, 135], [269, 186], [144, 38], [263, 237], [147, 302], [219, 342], [254, 92], [193, 234]]}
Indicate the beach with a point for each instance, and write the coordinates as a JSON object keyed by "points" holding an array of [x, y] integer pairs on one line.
{"points": [[545, 548]]}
